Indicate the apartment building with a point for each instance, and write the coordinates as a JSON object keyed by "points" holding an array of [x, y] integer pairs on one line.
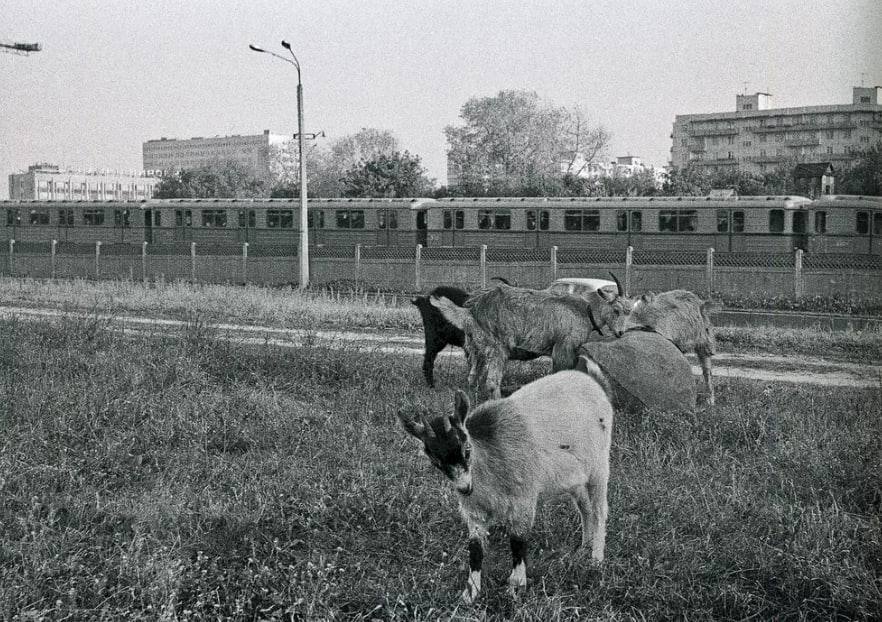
{"points": [[175, 154], [757, 138], [50, 182]]}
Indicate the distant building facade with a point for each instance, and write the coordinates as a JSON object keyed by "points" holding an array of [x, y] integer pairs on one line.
{"points": [[49, 182], [175, 154], [758, 138]]}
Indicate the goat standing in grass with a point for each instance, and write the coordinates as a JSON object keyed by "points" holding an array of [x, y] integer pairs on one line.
{"points": [[552, 435], [501, 319], [678, 315]]}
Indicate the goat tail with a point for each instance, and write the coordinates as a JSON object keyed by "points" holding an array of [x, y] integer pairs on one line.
{"points": [[587, 366], [456, 315]]}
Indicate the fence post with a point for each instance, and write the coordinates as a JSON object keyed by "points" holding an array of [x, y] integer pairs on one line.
{"points": [[11, 261], [98, 259], [193, 262], [417, 277], [553, 263], [357, 263], [797, 274], [629, 261], [244, 263], [52, 248], [144, 261], [483, 265], [709, 271]]}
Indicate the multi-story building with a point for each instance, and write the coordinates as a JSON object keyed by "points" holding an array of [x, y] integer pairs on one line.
{"points": [[175, 154], [759, 138], [47, 181]]}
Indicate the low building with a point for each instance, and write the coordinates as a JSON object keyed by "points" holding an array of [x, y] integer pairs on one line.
{"points": [[49, 182], [175, 154], [757, 138]]}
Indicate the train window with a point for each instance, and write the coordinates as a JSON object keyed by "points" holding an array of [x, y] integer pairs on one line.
{"points": [[350, 219], [65, 218], [448, 219], [621, 220], [183, 218], [13, 218], [485, 219], [543, 220], [722, 221], [454, 219], [800, 221], [93, 216], [863, 222], [820, 222], [877, 223], [280, 219], [214, 218], [531, 220], [388, 219], [121, 218], [737, 222], [311, 219], [636, 221], [39, 217], [247, 218], [776, 221], [502, 219], [581, 220], [677, 220]]}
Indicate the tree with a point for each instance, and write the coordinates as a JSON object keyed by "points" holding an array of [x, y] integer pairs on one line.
{"points": [[219, 179], [515, 143], [395, 175], [864, 176]]}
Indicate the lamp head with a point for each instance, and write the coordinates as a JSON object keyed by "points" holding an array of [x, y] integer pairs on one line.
{"points": [[255, 48], [286, 45]]}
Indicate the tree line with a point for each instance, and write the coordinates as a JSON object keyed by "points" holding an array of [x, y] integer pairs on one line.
{"points": [[510, 144]]}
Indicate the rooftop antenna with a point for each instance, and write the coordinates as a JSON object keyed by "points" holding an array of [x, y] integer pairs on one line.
{"points": [[863, 75], [745, 87]]}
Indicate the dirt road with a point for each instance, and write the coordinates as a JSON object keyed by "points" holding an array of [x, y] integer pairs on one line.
{"points": [[792, 369]]}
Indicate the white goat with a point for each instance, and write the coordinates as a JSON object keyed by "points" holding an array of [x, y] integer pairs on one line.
{"points": [[552, 435]]}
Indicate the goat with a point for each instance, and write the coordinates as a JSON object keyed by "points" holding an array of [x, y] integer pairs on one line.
{"points": [[678, 315], [550, 436], [439, 333], [498, 320]]}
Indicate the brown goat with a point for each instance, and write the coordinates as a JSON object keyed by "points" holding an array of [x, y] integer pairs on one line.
{"points": [[678, 315], [500, 319]]}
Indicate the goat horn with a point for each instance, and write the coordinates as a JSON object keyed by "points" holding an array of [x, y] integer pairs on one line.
{"points": [[594, 322], [618, 285]]}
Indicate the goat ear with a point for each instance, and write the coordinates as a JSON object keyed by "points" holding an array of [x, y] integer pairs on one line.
{"points": [[648, 297], [412, 427], [606, 295], [461, 407]]}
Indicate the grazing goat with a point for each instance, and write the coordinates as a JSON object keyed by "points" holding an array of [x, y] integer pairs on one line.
{"points": [[678, 315], [552, 435], [439, 333], [501, 319]]}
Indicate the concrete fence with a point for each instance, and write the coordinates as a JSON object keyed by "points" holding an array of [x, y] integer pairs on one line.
{"points": [[422, 268]]}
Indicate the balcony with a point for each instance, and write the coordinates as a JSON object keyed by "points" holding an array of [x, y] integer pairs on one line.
{"points": [[766, 159], [801, 127], [729, 131], [802, 142]]}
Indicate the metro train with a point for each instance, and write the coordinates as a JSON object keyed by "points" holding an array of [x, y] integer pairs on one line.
{"points": [[758, 224]]}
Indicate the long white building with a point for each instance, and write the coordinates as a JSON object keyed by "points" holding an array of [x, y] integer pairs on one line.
{"points": [[50, 182], [174, 154]]}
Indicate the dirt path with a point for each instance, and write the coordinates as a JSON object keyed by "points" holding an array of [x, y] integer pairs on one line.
{"points": [[767, 367]]}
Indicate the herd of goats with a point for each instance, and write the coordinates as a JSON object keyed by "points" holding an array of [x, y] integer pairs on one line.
{"points": [[553, 434]]}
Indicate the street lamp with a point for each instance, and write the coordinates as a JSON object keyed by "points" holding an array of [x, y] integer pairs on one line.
{"points": [[304, 220]]}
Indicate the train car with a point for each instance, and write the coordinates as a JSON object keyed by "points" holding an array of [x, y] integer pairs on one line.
{"points": [[846, 224], [736, 224], [332, 222]]}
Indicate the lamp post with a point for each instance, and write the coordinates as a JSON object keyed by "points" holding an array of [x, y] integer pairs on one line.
{"points": [[304, 219]]}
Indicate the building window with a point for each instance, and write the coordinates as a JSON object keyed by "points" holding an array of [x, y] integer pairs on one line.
{"points": [[65, 218], [862, 225], [776, 221], [830, 134], [214, 218], [729, 155], [865, 139], [247, 218], [820, 222], [677, 220], [387, 218], [684, 142], [183, 218], [846, 134], [121, 218], [93, 217], [280, 219], [350, 219], [865, 99], [763, 138], [731, 140], [581, 220], [39, 217], [315, 215], [747, 143]]}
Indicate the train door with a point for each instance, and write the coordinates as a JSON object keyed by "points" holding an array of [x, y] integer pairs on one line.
{"points": [[730, 231], [247, 222], [421, 228], [148, 226], [387, 226], [800, 230], [65, 223], [183, 224]]}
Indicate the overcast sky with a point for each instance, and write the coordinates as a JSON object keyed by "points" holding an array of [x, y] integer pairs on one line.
{"points": [[115, 74]]}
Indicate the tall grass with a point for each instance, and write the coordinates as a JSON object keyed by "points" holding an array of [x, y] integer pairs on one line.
{"points": [[185, 477]]}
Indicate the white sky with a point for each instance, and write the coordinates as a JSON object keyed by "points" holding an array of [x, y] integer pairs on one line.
{"points": [[115, 74]]}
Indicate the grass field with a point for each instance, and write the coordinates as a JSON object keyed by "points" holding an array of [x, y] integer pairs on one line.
{"points": [[191, 478], [286, 308]]}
